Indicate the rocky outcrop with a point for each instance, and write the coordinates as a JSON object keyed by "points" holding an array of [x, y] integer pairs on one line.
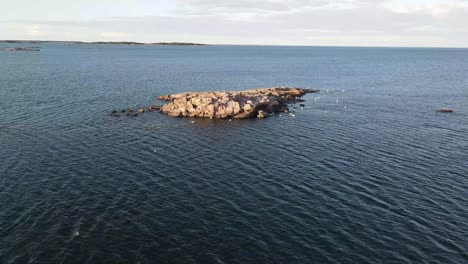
{"points": [[232, 104]]}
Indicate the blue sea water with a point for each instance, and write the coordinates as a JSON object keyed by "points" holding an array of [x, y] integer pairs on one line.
{"points": [[366, 172]]}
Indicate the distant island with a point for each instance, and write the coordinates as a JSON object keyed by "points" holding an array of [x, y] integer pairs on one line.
{"points": [[25, 41], [132, 43], [22, 49], [136, 43]]}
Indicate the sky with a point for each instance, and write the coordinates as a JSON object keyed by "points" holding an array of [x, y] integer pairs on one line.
{"points": [[401, 23]]}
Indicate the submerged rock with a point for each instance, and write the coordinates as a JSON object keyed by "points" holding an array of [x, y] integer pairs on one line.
{"points": [[232, 104], [115, 113]]}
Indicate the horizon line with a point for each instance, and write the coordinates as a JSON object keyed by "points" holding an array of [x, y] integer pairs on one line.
{"points": [[217, 44]]}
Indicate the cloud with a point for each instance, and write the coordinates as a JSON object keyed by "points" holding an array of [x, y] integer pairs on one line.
{"points": [[268, 5], [114, 35], [33, 30], [438, 9], [296, 22]]}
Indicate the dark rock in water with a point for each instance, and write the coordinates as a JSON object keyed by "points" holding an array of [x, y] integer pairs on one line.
{"points": [[130, 110], [232, 104], [302, 105], [132, 114], [115, 113], [445, 111]]}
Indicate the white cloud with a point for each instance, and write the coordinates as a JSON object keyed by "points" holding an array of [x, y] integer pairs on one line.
{"points": [[265, 7], [33, 30], [295, 22], [114, 35], [438, 9], [425, 28]]}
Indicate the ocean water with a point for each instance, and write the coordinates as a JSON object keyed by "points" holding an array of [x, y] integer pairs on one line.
{"points": [[366, 172]]}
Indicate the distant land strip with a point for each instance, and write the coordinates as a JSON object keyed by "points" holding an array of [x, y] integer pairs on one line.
{"points": [[107, 43]]}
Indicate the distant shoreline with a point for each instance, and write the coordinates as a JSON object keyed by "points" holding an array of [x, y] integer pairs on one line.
{"points": [[69, 42], [130, 43]]}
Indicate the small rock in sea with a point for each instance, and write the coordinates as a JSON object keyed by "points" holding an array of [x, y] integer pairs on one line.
{"points": [[132, 114], [123, 111], [115, 113], [130, 110], [302, 105], [260, 114], [445, 111], [141, 110], [150, 109]]}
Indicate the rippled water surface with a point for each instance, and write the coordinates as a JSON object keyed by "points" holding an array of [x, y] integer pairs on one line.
{"points": [[366, 172]]}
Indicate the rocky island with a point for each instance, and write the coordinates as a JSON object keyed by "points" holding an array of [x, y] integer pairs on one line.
{"points": [[259, 103]]}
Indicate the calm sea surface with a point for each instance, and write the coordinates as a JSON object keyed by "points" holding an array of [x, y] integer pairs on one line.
{"points": [[366, 172]]}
